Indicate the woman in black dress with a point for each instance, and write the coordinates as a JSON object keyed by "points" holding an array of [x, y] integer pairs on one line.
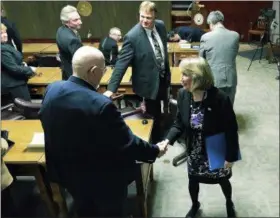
{"points": [[203, 110]]}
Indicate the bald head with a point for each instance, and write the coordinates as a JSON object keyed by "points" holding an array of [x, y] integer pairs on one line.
{"points": [[88, 64]]}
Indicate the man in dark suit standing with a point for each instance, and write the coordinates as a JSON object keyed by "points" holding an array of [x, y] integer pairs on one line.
{"points": [[89, 149], [109, 46], [145, 49], [68, 39], [13, 33]]}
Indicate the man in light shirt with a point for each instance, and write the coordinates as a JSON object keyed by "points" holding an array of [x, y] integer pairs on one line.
{"points": [[145, 49]]}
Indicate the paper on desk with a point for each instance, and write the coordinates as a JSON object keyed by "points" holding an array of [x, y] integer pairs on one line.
{"points": [[185, 45], [38, 140]]}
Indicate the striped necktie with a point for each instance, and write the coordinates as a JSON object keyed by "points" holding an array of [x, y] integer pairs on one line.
{"points": [[158, 54]]}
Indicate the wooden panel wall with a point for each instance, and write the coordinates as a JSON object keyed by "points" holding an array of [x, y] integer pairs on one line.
{"points": [[40, 20], [238, 14]]}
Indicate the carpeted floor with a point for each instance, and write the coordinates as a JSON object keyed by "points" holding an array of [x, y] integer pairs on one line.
{"points": [[255, 179]]}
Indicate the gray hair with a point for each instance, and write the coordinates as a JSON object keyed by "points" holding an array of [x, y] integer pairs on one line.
{"points": [[113, 30], [215, 17], [65, 13]]}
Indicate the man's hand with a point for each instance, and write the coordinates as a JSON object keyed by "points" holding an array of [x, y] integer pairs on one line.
{"points": [[162, 147], [228, 164], [108, 94]]}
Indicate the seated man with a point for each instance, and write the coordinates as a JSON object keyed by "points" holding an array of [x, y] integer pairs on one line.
{"points": [[185, 34], [109, 46], [89, 149]]}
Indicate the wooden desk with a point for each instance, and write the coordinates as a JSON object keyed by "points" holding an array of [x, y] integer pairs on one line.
{"points": [[180, 53], [21, 132], [29, 49], [125, 86], [37, 85], [32, 162], [53, 49], [175, 81]]}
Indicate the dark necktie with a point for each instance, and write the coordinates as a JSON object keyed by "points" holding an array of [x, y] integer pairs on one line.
{"points": [[158, 54]]}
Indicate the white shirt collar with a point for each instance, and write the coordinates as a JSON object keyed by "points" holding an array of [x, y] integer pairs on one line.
{"points": [[149, 31]]}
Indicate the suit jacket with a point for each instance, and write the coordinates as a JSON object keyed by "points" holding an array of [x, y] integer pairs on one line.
{"points": [[218, 117], [191, 34], [220, 47], [86, 140], [68, 43], [13, 72], [13, 33], [110, 50], [138, 52]]}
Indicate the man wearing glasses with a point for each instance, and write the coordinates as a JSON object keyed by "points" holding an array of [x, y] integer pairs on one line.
{"points": [[109, 46], [89, 149]]}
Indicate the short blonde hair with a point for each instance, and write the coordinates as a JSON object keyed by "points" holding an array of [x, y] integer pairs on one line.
{"points": [[65, 13], [3, 27], [199, 70], [148, 6]]}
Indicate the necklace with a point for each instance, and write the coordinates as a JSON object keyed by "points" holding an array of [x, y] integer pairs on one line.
{"points": [[194, 104]]}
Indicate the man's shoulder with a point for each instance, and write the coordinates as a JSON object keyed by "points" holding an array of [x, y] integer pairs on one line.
{"points": [[64, 32], [134, 31], [68, 88]]}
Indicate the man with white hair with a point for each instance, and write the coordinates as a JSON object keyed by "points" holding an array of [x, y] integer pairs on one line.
{"points": [[220, 48], [68, 39], [89, 149], [109, 46]]}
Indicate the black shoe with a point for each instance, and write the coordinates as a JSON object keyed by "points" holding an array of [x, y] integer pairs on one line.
{"points": [[193, 211], [230, 209]]}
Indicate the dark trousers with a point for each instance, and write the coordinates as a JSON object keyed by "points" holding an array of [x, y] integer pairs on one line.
{"points": [[8, 205], [230, 91], [104, 202], [153, 108], [19, 92]]}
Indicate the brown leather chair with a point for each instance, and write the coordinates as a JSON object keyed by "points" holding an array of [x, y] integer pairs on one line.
{"points": [[27, 109]]}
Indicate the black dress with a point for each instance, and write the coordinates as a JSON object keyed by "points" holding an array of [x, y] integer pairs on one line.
{"points": [[197, 161]]}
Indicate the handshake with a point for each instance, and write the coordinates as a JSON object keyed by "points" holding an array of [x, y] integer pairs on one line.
{"points": [[162, 147]]}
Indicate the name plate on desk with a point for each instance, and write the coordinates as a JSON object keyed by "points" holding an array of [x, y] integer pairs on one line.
{"points": [[38, 141], [185, 45]]}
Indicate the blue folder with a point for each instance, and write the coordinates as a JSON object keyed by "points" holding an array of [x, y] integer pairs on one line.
{"points": [[216, 151]]}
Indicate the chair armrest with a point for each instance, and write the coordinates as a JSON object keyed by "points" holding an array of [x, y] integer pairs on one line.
{"points": [[20, 103], [7, 106], [131, 113], [173, 102]]}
